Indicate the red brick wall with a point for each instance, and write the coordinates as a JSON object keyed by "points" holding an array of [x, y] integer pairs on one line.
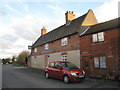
{"points": [[73, 44], [108, 48]]}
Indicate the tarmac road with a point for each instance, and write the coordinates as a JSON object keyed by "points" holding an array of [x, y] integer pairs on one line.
{"points": [[23, 77]]}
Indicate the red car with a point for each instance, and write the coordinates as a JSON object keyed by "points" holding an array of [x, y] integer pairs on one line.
{"points": [[65, 71]]}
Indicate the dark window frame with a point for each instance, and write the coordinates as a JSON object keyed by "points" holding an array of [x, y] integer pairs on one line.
{"points": [[99, 67]]}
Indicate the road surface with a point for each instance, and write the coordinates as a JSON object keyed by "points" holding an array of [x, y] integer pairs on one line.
{"points": [[23, 77]]}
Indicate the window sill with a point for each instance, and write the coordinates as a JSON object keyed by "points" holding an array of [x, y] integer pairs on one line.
{"points": [[64, 45], [100, 68], [95, 43]]}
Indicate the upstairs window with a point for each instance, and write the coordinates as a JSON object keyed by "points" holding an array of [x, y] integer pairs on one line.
{"points": [[35, 49], [95, 39], [99, 37], [46, 46], [64, 41]]}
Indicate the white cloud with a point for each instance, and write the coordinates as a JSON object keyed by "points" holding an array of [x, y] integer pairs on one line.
{"points": [[5, 29], [23, 31], [26, 8], [2, 13], [61, 12], [5, 46], [9, 48], [107, 11], [12, 9], [57, 9]]}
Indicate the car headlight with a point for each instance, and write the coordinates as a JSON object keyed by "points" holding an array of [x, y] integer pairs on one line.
{"points": [[73, 73], [83, 72]]}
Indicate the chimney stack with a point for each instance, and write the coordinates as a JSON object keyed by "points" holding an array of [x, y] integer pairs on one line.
{"points": [[69, 16], [43, 31]]}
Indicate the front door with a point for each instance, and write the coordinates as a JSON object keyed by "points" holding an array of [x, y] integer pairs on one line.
{"points": [[86, 65]]}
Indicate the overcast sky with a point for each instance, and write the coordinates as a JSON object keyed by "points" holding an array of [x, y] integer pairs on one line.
{"points": [[22, 20]]}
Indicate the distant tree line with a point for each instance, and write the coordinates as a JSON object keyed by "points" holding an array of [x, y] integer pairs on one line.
{"points": [[20, 59]]}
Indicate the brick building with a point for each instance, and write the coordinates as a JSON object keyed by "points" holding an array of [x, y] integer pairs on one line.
{"points": [[99, 48], [61, 43], [83, 41]]}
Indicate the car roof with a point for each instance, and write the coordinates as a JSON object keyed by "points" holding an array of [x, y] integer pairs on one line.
{"points": [[58, 61]]}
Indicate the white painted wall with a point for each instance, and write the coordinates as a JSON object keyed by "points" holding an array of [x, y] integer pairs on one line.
{"points": [[74, 57], [39, 61]]}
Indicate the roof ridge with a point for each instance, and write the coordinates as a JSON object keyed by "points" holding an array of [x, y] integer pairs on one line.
{"points": [[61, 30], [80, 16], [104, 26], [106, 21]]}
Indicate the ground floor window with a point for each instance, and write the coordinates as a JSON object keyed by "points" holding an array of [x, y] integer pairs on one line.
{"points": [[100, 62], [96, 62], [64, 57]]}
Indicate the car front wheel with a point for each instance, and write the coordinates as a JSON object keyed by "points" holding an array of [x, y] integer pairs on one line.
{"points": [[66, 79]]}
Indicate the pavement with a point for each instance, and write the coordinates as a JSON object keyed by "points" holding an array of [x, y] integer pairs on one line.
{"points": [[23, 77]]}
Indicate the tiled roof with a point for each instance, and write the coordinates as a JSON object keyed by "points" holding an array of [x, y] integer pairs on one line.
{"points": [[108, 25], [62, 31]]}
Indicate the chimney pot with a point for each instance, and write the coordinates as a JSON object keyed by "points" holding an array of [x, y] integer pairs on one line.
{"points": [[69, 16], [43, 31]]}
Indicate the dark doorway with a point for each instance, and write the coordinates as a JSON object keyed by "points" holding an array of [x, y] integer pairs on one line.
{"points": [[86, 64]]}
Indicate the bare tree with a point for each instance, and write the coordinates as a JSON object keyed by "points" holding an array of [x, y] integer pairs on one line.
{"points": [[21, 59]]}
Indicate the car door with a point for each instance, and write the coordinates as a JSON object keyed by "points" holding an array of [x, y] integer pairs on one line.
{"points": [[57, 72], [51, 69]]}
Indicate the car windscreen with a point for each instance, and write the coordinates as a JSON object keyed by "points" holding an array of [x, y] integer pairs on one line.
{"points": [[69, 65]]}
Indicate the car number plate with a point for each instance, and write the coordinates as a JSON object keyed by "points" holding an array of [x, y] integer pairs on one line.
{"points": [[81, 76]]}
